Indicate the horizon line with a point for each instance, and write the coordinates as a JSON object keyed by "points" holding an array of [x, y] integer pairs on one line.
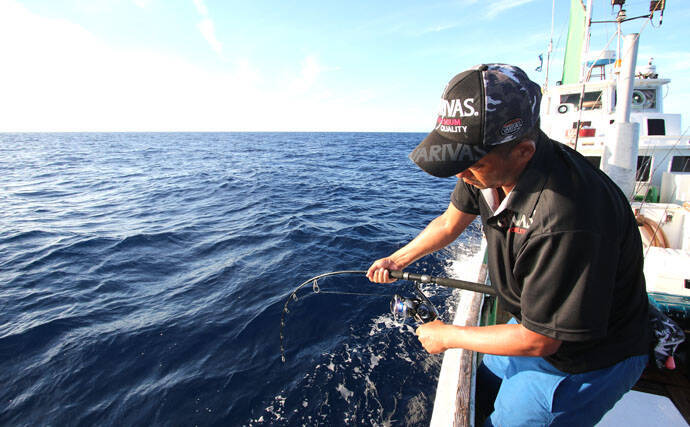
{"points": [[4, 132]]}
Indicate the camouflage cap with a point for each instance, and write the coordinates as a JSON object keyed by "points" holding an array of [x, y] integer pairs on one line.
{"points": [[481, 108]]}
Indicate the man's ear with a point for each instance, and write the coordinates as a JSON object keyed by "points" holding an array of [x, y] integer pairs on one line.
{"points": [[525, 150]]}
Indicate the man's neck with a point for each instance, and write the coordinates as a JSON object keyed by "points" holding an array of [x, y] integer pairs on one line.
{"points": [[519, 163]]}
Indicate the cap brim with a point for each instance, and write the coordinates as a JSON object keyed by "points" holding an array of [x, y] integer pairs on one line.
{"points": [[442, 158]]}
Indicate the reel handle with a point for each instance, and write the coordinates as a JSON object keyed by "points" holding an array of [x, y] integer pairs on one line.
{"points": [[449, 283]]}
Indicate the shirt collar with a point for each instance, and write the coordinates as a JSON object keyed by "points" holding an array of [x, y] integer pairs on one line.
{"points": [[491, 197]]}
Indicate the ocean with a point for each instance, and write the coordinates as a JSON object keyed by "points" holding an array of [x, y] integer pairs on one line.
{"points": [[143, 277]]}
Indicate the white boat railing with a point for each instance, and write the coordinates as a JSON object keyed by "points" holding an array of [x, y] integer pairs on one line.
{"points": [[454, 401]]}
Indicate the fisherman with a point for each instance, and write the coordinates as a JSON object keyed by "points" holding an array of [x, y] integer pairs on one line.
{"points": [[564, 254]]}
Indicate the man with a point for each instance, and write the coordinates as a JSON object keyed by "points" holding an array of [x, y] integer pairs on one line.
{"points": [[564, 250]]}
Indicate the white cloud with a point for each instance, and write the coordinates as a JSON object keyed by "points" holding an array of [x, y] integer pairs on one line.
{"points": [[437, 29], [311, 68], [500, 6], [207, 28], [209, 32], [142, 3], [201, 7], [310, 71], [57, 76]]}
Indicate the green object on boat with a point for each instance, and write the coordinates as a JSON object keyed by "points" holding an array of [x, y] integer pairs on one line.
{"points": [[573, 48], [652, 195]]}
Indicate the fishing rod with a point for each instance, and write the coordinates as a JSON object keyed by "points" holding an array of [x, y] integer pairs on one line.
{"points": [[421, 309], [449, 283]]}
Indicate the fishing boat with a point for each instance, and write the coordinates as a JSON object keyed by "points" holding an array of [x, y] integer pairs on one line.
{"points": [[612, 112]]}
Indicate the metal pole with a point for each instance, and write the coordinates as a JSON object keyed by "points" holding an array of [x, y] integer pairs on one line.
{"points": [[622, 140], [626, 81]]}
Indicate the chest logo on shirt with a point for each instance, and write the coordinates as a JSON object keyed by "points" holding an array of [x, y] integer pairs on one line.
{"points": [[519, 223]]}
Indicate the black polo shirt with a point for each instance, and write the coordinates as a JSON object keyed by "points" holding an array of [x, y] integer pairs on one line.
{"points": [[565, 256]]}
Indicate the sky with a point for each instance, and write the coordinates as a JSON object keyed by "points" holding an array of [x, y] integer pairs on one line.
{"points": [[284, 65]]}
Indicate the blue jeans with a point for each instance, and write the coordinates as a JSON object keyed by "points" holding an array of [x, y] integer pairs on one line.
{"points": [[534, 393]]}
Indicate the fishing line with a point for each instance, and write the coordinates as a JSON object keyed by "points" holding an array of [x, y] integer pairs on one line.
{"points": [[352, 293], [421, 309], [316, 289]]}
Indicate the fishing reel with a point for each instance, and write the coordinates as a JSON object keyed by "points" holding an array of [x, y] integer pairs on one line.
{"points": [[419, 309], [412, 308]]}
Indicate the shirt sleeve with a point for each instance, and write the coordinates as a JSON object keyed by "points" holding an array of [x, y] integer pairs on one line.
{"points": [[568, 280], [465, 198]]}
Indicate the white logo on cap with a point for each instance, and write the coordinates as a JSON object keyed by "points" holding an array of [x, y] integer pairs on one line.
{"points": [[457, 108], [448, 152]]}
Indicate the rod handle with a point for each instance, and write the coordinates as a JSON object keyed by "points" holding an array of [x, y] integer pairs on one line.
{"points": [[449, 283]]}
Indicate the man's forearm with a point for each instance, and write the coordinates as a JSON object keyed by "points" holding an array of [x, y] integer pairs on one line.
{"points": [[438, 233], [505, 340]]}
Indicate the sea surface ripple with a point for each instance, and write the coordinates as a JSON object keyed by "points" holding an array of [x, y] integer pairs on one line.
{"points": [[143, 277]]}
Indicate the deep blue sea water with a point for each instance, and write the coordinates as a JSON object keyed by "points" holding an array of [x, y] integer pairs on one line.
{"points": [[143, 277]]}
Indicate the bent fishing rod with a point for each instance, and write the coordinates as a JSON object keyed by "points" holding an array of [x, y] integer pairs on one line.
{"points": [[421, 309]]}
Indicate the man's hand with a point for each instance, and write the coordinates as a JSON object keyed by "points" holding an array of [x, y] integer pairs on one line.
{"points": [[378, 272], [431, 336]]}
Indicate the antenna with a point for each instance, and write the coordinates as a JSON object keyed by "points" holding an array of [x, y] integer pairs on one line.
{"points": [[548, 53], [657, 6]]}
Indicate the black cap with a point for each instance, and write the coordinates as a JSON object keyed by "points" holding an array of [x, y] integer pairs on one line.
{"points": [[481, 108]]}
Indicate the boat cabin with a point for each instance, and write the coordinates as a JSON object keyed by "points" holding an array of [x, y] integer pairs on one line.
{"points": [[585, 123]]}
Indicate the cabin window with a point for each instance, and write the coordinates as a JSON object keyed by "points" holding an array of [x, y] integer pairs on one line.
{"points": [[592, 100], [680, 164], [656, 127], [644, 166], [594, 160]]}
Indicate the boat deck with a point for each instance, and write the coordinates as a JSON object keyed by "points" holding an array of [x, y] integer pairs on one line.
{"points": [[673, 384]]}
